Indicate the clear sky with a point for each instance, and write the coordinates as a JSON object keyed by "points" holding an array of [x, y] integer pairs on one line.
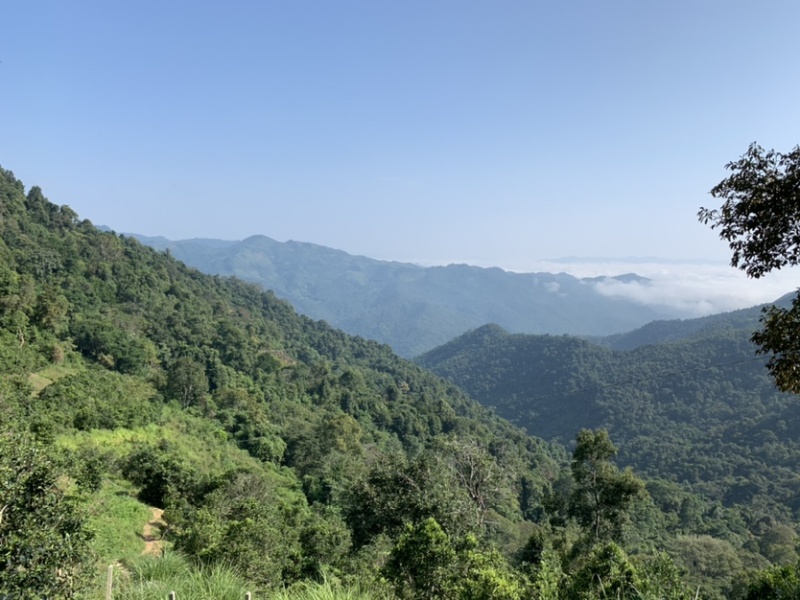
{"points": [[496, 132]]}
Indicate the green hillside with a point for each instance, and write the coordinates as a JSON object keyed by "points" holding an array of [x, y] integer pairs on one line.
{"points": [[289, 458], [700, 411], [657, 332], [189, 386]]}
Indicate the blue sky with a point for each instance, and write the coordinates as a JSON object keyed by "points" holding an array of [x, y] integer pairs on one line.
{"points": [[495, 133]]}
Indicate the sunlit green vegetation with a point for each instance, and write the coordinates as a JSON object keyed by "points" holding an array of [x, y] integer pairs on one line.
{"points": [[292, 460]]}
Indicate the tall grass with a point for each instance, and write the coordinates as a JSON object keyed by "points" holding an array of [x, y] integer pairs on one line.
{"points": [[153, 578], [48, 375], [324, 591], [117, 519]]}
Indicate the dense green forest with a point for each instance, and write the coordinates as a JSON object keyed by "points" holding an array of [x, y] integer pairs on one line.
{"points": [[699, 412], [296, 461], [414, 308]]}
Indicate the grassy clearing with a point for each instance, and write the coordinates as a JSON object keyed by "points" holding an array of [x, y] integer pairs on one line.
{"points": [[153, 578], [117, 442], [117, 519], [200, 442], [323, 591], [48, 375]]}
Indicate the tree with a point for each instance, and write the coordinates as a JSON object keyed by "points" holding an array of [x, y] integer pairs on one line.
{"points": [[161, 474], [245, 523], [44, 543], [774, 583], [187, 382], [606, 572], [477, 474], [602, 494], [421, 563], [760, 220], [424, 563]]}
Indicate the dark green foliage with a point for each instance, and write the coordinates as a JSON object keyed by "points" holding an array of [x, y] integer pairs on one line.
{"points": [[245, 418], [88, 467], [96, 399], [44, 544], [660, 577], [700, 411], [602, 496], [775, 583], [760, 221], [162, 476], [425, 564], [420, 563], [779, 339], [325, 539], [533, 550], [186, 382], [456, 482], [112, 346], [247, 524], [485, 574], [759, 218], [709, 561], [606, 572], [388, 496]]}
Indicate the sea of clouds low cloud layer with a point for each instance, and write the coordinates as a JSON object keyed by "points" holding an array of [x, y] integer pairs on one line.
{"points": [[694, 289], [690, 288]]}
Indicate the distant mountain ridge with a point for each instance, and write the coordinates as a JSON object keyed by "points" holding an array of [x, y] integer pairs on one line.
{"points": [[410, 307], [660, 332], [688, 400]]}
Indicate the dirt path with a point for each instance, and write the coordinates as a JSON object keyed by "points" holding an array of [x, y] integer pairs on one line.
{"points": [[152, 533]]}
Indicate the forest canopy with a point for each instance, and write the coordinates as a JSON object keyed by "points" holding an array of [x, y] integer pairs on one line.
{"points": [[286, 453]]}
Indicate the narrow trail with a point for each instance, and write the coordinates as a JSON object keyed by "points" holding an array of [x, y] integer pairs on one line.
{"points": [[152, 533]]}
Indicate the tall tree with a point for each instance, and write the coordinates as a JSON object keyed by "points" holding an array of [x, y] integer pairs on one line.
{"points": [[602, 493], [187, 382], [760, 220]]}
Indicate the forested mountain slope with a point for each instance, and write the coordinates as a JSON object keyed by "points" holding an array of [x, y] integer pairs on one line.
{"points": [[288, 452], [409, 307], [701, 410], [657, 332], [162, 376]]}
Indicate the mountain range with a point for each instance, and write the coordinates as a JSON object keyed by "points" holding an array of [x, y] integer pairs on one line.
{"points": [[689, 400], [286, 450], [410, 307]]}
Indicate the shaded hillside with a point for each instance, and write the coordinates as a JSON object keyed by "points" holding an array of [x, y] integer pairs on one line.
{"points": [[413, 308], [659, 332], [702, 410]]}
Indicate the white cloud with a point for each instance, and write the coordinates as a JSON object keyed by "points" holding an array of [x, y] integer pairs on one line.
{"points": [[694, 289]]}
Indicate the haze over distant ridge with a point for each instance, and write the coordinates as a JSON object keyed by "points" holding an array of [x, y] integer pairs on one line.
{"points": [[694, 287], [414, 307]]}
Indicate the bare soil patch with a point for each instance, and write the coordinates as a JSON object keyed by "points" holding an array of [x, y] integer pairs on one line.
{"points": [[153, 531]]}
